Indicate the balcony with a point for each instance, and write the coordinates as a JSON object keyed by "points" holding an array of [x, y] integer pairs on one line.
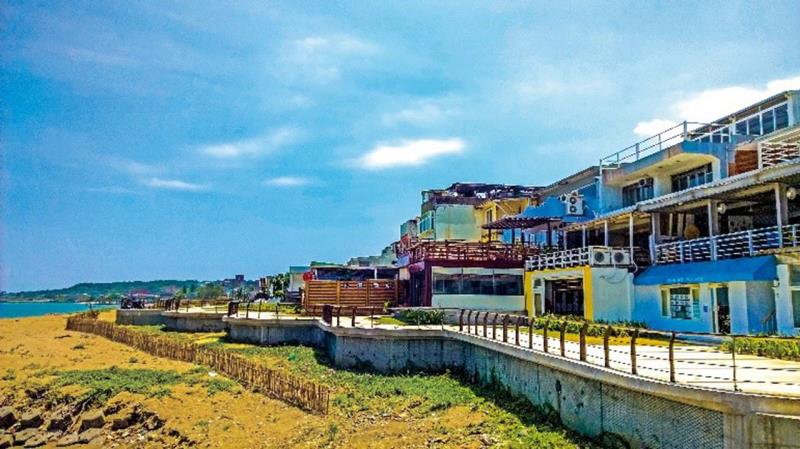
{"points": [[470, 252], [753, 242], [578, 257]]}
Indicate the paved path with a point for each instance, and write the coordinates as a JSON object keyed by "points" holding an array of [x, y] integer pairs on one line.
{"points": [[696, 365]]}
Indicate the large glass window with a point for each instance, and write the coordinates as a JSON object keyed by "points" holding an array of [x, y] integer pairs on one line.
{"points": [[476, 282], [782, 116], [639, 191], [768, 122], [692, 178], [681, 303], [426, 222]]}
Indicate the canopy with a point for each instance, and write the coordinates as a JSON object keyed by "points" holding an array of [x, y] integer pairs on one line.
{"points": [[762, 268]]}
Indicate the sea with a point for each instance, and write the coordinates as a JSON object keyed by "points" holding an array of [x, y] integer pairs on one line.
{"points": [[25, 309]]}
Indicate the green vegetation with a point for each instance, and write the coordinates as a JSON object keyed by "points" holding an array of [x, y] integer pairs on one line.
{"points": [[101, 384], [210, 291], [511, 421], [421, 316], [785, 349]]}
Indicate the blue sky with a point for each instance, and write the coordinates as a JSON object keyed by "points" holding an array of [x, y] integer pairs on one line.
{"points": [[145, 140]]}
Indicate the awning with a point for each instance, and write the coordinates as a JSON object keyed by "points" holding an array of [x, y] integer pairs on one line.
{"points": [[760, 268]]}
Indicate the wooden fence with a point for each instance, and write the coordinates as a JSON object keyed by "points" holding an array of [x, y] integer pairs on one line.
{"points": [[304, 394], [368, 293]]}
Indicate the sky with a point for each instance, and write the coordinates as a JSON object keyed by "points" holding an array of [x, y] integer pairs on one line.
{"points": [[197, 140]]}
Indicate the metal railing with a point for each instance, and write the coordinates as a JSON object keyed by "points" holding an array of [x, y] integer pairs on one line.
{"points": [[672, 136], [470, 251], [656, 355], [728, 246], [575, 257]]}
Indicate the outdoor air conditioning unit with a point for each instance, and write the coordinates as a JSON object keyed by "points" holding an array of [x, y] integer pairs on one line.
{"points": [[599, 256], [620, 257], [573, 203]]}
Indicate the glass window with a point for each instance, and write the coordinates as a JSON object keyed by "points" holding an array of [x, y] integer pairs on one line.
{"points": [[692, 178], [782, 116], [754, 126], [638, 191], [507, 284], [794, 275], [684, 302], [447, 283], [665, 303], [796, 307], [461, 283], [741, 128], [768, 122]]}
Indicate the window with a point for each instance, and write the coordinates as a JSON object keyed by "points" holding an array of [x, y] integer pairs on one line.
{"points": [[681, 303], [782, 116], [477, 282], [426, 222], [692, 178], [639, 191], [754, 126], [794, 285], [768, 122], [764, 122], [741, 128]]}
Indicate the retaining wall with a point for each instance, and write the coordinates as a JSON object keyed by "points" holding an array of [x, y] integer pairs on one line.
{"points": [[594, 401], [194, 322], [140, 317]]}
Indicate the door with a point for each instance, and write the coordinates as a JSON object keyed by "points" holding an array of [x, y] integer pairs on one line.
{"points": [[722, 310]]}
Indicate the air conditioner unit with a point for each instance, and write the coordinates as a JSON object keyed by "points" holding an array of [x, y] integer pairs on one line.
{"points": [[573, 203], [599, 256], [620, 257]]}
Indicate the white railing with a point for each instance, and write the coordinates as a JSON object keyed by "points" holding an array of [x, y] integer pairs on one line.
{"points": [[665, 139], [576, 257], [774, 153], [728, 246]]}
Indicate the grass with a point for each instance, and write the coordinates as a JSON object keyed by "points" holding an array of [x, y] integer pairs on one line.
{"points": [[389, 320], [512, 421], [99, 385]]}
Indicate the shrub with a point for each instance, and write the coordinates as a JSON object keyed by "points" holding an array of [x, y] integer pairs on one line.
{"points": [[421, 316], [786, 349]]}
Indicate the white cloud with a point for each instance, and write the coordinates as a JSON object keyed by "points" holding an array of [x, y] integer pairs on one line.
{"points": [[173, 184], [711, 104], [133, 167], [322, 59], [424, 113], [255, 147], [288, 181], [408, 153], [653, 127]]}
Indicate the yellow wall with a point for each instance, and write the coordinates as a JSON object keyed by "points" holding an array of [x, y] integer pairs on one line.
{"points": [[500, 208], [588, 296]]}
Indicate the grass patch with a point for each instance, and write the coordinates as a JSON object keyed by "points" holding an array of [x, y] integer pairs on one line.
{"points": [[102, 384], [389, 320]]}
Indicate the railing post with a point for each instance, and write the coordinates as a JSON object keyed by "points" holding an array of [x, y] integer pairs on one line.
{"points": [[469, 319], [634, 336], [516, 330], [680, 250], [637, 151], [353, 318], [247, 311], [485, 317], [477, 317], [545, 342], [672, 357], [750, 241], [372, 317], [338, 315], [583, 341], [505, 328], [562, 338], [713, 246], [461, 321], [530, 332], [685, 130], [607, 347], [794, 235], [733, 357], [494, 326]]}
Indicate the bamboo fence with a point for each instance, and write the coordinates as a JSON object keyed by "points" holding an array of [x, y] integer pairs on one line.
{"points": [[286, 387]]}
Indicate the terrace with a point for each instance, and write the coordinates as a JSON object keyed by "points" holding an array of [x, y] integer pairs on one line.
{"points": [[456, 251]]}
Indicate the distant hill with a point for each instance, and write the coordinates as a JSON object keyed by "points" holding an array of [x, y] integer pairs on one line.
{"points": [[98, 289]]}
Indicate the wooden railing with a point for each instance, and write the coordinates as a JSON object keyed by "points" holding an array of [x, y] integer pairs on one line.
{"points": [[774, 153], [470, 251], [728, 246], [368, 293]]}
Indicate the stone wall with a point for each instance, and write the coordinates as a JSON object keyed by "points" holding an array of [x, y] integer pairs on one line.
{"points": [[140, 317], [194, 322]]}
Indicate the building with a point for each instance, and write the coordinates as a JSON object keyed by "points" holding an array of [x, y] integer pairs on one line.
{"points": [[453, 261], [693, 229]]}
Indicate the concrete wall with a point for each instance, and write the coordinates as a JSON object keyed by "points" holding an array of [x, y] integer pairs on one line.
{"points": [[611, 290], [511, 303], [760, 307], [647, 308], [784, 308], [456, 222], [194, 322], [140, 317], [602, 404]]}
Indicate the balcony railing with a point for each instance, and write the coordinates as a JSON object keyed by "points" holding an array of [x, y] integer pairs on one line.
{"points": [[576, 257], [665, 139], [470, 252], [748, 243]]}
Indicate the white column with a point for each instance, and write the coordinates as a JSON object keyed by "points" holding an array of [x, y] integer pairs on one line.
{"points": [[784, 309], [605, 233], [630, 232], [583, 236]]}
